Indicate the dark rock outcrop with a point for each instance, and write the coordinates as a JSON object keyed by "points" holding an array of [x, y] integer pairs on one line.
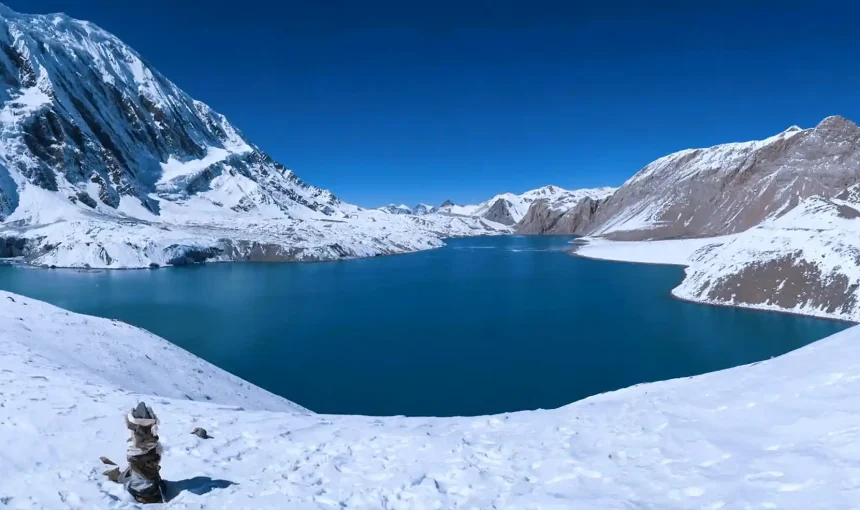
{"points": [[500, 212], [541, 218]]}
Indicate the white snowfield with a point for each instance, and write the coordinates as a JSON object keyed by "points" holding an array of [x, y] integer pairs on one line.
{"points": [[671, 252], [778, 434]]}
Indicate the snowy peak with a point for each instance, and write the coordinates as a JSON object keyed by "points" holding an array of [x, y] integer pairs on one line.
{"points": [[85, 117], [418, 210], [422, 209], [396, 209], [106, 163]]}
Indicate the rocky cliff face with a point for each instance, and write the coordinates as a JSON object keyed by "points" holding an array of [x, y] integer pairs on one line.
{"points": [[542, 218], [501, 211], [573, 214], [732, 187]]}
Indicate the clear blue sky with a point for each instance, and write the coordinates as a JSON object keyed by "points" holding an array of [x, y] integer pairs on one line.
{"points": [[424, 101]]}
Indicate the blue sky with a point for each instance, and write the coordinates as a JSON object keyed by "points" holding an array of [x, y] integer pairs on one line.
{"points": [[426, 101]]}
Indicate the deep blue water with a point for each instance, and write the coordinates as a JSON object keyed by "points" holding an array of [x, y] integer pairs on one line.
{"points": [[480, 326]]}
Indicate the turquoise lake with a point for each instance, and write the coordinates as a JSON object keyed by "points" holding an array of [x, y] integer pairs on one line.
{"points": [[484, 325]]}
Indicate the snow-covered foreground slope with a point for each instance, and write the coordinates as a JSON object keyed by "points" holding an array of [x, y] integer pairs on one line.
{"points": [[778, 434], [106, 163]]}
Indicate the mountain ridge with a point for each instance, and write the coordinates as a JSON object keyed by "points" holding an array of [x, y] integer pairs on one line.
{"points": [[106, 163]]}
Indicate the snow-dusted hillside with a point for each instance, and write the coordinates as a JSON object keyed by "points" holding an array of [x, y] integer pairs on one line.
{"points": [[106, 163], [807, 261], [777, 434], [732, 187]]}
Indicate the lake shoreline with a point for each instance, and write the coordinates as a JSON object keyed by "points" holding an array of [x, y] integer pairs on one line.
{"points": [[482, 326], [574, 253]]}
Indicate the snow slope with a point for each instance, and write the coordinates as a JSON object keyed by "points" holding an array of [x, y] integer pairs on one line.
{"points": [[777, 434], [672, 252], [106, 163]]}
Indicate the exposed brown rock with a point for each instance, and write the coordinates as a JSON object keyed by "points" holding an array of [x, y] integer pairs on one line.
{"points": [[730, 188], [788, 283]]}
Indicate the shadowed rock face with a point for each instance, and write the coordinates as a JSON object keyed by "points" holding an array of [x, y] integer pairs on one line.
{"points": [[540, 219], [543, 219], [500, 212], [12, 247], [578, 219], [730, 188]]}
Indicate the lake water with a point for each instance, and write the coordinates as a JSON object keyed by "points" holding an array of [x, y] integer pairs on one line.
{"points": [[483, 325]]}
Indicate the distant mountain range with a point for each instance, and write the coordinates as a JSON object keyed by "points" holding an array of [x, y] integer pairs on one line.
{"points": [[418, 210], [508, 208]]}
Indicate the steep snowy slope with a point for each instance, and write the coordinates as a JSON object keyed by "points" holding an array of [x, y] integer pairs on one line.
{"points": [[778, 434], [732, 187], [106, 163]]}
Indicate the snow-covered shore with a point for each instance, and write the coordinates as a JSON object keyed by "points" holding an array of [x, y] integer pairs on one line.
{"points": [[675, 252], [777, 434], [805, 262]]}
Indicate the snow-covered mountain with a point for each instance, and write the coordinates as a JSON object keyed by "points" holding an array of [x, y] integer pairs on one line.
{"points": [[770, 225], [775, 434], [732, 187], [418, 210], [510, 209], [396, 209], [106, 163], [568, 213], [423, 209], [806, 261]]}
